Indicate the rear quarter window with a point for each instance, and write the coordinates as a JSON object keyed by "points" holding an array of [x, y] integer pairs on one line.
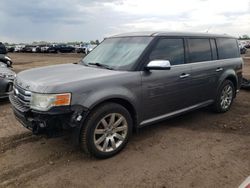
{"points": [[227, 48]]}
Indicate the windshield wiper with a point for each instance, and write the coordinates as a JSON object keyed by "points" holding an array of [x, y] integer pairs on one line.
{"points": [[101, 65]]}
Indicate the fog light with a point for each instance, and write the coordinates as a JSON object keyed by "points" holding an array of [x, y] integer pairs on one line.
{"points": [[42, 125], [79, 118]]}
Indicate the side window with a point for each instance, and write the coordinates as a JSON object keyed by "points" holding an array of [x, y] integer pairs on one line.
{"points": [[199, 50], [169, 49], [227, 48], [214, 50]]}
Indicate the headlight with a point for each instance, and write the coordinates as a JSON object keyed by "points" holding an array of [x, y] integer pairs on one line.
{"points": [[44, 102], [6, 57]]}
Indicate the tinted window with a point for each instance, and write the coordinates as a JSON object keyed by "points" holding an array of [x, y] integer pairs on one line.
{"points": [[199, 50], [169, 49], [227, 48]]}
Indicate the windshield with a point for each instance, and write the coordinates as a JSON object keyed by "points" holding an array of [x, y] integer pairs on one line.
{"points": [[118, 53]]}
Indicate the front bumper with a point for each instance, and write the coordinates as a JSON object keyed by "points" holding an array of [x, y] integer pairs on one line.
{"points": [[51, 123], [43, 123]]}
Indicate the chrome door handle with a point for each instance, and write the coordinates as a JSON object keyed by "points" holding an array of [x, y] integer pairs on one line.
{"points": [[219, 69], [184, 75]]}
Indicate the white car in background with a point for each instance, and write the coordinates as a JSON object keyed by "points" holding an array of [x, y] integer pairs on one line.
{"points": [[44, 48], [18, 48], [89, 48]]}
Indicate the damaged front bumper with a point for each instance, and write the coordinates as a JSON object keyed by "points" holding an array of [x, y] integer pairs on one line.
{"points": [[52, 122]]}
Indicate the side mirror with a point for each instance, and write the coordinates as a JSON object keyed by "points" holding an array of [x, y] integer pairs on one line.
{"points": [[158, 65]]}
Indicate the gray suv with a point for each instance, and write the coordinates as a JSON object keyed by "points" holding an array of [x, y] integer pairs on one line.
{"points": [[127, 82]]}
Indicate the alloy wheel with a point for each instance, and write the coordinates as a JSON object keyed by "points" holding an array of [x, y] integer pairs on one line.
{"points": [[226, 97], [110, 132]]}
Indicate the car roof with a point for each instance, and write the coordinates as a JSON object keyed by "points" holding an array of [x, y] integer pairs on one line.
{"points": [[172, 34]]}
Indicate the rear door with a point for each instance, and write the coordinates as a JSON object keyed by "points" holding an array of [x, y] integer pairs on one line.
{"points": [[166, 91], [206, 69]]}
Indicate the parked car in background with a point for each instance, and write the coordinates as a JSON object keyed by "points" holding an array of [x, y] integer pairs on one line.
{"points": [[44, 48], [243, 49], [31, 49], [89, 48], [28, 48], [63, 48], [52, 49], [3, 49], [247, 45], [3, 56], [19, 48], [35, 49], [81, 48], [7, 77], [85, 48], [10, 48], [127, 82], [38, 49]]}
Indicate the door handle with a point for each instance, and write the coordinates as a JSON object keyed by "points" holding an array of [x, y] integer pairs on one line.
{"points": [[219, 69], [184, 75]]}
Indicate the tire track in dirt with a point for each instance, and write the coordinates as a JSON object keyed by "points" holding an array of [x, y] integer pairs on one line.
{"points": [[34, 159], [17, 140], [20, 175]]}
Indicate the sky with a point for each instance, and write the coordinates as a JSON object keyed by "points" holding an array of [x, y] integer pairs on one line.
{"points": [[85, 20]]}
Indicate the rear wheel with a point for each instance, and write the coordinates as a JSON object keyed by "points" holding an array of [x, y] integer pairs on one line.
{"points": [[224, 97], [106, 131]]}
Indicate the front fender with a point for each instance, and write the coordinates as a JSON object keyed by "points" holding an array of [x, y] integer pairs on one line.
{"points": [[90, 100], [98, 97]]}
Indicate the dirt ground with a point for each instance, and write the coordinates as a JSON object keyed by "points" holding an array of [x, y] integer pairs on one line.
{"points": [[199, 149]]}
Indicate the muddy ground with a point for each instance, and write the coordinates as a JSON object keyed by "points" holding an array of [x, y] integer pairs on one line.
{"points": [[199, 149]]}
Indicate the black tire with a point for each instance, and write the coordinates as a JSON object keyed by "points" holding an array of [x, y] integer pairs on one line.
{"points": [[217, 106], [88, 136]]}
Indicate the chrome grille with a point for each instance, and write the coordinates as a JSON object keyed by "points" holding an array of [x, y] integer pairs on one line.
{"points": [[20, 98]]}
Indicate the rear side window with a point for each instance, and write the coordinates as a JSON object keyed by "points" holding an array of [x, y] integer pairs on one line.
{"points": [[227, 48], [199, 50], [169, 49]]}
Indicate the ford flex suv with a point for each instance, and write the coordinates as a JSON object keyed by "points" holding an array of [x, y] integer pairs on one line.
{"points": [[127, 82]]}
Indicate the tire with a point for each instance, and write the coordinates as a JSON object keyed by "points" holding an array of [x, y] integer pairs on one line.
{"points": [[100, 137], [226, 93]]}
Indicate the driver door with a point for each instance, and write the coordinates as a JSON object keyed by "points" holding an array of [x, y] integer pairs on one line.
{"points": [[166, 91]]}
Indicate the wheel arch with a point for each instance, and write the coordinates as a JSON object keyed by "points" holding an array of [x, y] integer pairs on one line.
{"points": [[231, 76], [233, 79], [123, 102]]}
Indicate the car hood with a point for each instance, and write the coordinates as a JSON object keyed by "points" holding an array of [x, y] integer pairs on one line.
{"points": [[44, 79]]}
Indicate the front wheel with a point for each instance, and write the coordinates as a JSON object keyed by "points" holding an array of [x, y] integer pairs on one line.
{"points": [[106, 131], [224, 97]]}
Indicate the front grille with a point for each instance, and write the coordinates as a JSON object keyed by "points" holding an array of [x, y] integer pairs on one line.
{"points": [[10, 77], [20, 98]]}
